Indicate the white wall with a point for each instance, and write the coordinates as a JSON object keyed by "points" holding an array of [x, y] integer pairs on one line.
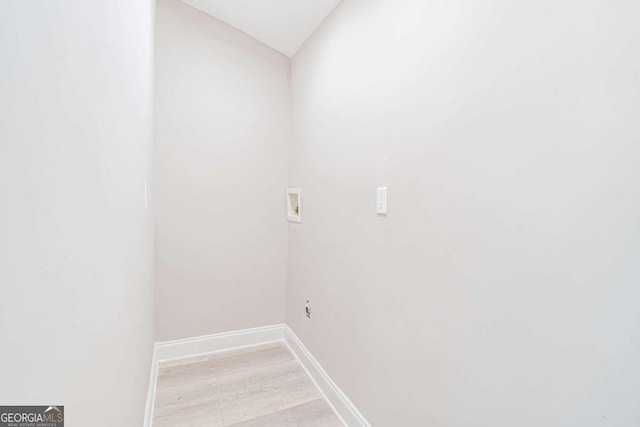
{"points": [[221, 166], [76, 321], [503, 287]]}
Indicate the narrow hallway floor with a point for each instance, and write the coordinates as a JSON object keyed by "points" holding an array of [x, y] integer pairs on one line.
{"points": [[257, 386]]}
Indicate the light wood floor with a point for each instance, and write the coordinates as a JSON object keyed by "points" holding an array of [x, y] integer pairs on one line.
{"points": [[259, 386]]}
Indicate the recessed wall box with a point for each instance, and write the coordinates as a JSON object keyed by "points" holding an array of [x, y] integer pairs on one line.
{"points": [[294, 204]]}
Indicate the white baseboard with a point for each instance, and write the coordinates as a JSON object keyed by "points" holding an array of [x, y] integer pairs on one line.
{"points": [[339, 401], [151, 394], [192, 347]]}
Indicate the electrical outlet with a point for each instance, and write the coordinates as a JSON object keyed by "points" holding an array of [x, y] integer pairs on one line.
{"points": [[307, 309]]}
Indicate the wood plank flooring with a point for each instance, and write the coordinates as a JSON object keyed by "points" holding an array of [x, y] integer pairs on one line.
{"points": [[258, 386]]}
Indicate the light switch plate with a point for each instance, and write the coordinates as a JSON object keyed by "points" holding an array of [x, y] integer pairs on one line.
{"points": [[381, 201]]}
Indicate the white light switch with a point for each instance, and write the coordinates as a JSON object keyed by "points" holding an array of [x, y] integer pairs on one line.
{"points": [[381, 202]]}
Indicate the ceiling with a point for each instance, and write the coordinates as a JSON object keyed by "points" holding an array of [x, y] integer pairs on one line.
{"points": [[282, 24]]}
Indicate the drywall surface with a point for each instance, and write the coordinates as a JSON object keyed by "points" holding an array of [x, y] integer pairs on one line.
{"points": [[221, 166], [502, 288], [76, 318]]}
